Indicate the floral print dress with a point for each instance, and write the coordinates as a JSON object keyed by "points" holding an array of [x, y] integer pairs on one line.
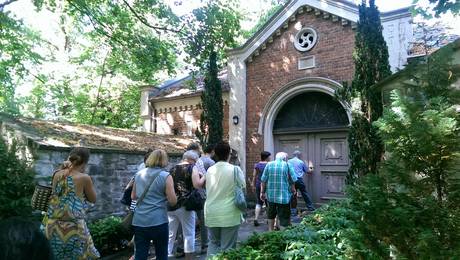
{"points": [[65, 226]]}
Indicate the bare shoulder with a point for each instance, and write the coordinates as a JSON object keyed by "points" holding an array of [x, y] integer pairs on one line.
{"points": [[82, 177], [86, 177]]}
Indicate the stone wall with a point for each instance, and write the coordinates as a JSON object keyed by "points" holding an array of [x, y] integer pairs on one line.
{"points": [[110, 171]]}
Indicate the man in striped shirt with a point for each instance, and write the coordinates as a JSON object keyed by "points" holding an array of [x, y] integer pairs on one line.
{"points": [[278, 187]]}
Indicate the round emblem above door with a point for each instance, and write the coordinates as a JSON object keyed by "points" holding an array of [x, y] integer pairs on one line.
{"points": [[305, 39]]}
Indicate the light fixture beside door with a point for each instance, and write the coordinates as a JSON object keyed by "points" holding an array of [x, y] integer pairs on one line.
{"points": [[236, 120]]}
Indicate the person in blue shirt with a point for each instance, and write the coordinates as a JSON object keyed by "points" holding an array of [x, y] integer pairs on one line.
{"points": [[300, 169]]}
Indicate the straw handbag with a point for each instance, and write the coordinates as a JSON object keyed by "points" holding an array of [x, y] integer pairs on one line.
{"points": [[42, 196]]}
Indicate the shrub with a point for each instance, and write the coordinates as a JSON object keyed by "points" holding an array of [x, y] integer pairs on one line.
{"points": [[323, 235], [108, 235], [411, 204], [16, 183]]}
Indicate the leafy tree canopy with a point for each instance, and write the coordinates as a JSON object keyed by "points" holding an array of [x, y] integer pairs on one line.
{"points": [[438, 7], [17, 57], [136, 34], [212, 28], [108, 49], [416, 189]]}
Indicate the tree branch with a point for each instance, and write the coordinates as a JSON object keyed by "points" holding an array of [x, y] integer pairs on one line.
{"points": [[146, 23], [93, 114], [2, 5]]}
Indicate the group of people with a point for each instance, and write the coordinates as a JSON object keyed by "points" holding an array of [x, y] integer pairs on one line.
{"points": [[160, 201], [165, 206], [164, 195], [276, 183]]}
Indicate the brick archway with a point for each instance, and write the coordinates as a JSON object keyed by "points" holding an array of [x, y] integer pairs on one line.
{"points": [[294, 88]]}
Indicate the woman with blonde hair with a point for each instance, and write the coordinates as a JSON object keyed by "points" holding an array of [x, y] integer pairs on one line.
{"points": [[150, 221], [64, 225]]}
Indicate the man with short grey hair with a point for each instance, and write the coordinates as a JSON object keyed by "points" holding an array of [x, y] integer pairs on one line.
{"points": [[277, 187], [300, 169]]}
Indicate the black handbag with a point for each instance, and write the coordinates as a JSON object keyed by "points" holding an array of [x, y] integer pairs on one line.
{"points": [[126, 198], [293, 201], [195, 200]]}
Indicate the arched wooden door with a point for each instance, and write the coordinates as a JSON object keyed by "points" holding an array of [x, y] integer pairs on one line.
{"points": [[317, 125]]}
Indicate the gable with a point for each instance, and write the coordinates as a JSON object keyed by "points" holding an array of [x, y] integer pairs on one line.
{"points": [[339, 12]]}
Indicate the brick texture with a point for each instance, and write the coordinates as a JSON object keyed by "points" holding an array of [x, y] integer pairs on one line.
{"points": [[277, 65]]}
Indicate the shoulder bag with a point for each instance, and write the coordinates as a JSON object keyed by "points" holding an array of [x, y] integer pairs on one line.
{"points": [[195, 199], [128, 220], [42, 195], [240, 200], [126, 198]]}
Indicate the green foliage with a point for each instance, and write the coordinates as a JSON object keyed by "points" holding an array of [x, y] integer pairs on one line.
{"points": [[438, 7], [411, 205], [136, 48], [326, 234], [371, 66], [212, 104], [371, 60], [108, 235], [212, 29], [364, 151], [16, 183], [17, 58], [264, 19], [108, 49]]}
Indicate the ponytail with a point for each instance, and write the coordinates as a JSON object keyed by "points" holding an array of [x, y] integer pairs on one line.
{"points": [[77, 157], [66, 165]]}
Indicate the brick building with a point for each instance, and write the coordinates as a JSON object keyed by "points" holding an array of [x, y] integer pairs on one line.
{"points": [[281, 86], [174, 107]]}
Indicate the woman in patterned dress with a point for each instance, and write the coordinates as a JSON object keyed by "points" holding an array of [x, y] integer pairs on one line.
{"points": [[64, 224]]}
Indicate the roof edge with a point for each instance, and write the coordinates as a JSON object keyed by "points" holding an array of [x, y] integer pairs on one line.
{"points": [[347, 6], [455, 45], [197, 93]]}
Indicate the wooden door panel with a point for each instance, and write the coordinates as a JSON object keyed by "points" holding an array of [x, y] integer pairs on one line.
{"points": [[331, 166], [332, 184], [328, 154], [289, 144], [334, 151]]}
